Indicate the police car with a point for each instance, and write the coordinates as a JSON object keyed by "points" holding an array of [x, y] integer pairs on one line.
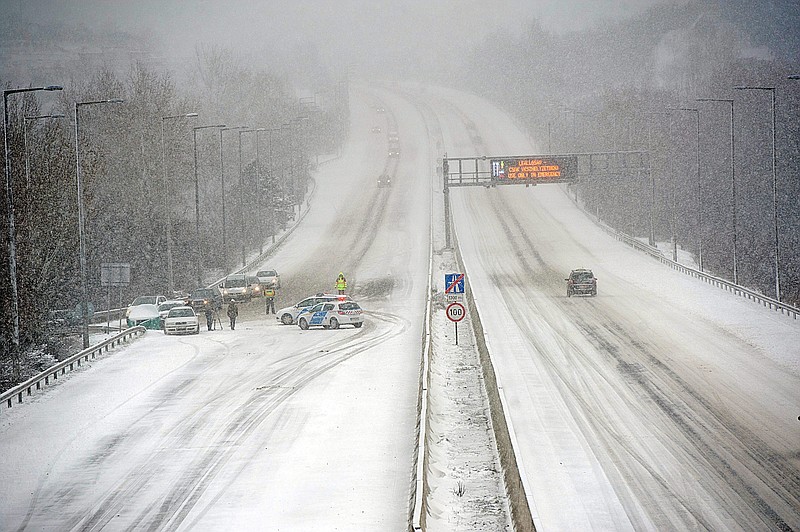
{"points": [[331, 315], [288, 315]]}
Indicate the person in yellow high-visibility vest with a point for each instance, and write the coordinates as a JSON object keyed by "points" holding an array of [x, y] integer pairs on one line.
{"points": [[341, 283]]}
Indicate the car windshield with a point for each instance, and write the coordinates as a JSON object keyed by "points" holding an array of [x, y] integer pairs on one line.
{"points": [[181, 313], [144, 300], [167, 306], [582, 276], [350, 305], [235, 283], [200, 294], [267, 273]]}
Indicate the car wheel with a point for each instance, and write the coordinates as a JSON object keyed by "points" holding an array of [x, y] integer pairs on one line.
{"points": [[358, 324], [286, 319], [166, 333], [569, 293], [197, 331], [334, 323], [303, 324], [594, 293]]}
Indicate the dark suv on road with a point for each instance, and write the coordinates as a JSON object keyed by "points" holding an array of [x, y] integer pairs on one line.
{"points": [[581, 281], [205, 298]]}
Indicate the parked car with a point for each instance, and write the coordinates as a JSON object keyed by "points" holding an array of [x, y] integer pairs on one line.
{"points": [[394, 151], [331, 315], [269, 279], [288, 315], [235, 286], [384, 181], [145, 315], [181, 320], [254, 284], [376, 129], [145, 300], [164, 308], [202, 299], [581, 281]]}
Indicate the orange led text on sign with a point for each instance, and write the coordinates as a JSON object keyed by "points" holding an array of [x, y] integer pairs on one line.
{"points": [[533, 169]]}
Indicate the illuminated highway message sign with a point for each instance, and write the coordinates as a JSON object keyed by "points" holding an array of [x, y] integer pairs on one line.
{"points": [[535, 169]]}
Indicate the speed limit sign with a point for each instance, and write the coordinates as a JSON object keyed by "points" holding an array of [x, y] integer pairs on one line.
{"points": [[455, 312]]}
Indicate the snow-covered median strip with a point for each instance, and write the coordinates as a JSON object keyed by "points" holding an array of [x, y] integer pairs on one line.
{"points": [[466, 487]]}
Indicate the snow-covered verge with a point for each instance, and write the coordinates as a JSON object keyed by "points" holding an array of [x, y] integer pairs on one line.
{"points": [[465, 479]]}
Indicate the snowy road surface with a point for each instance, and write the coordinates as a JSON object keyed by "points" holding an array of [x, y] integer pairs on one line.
{"points": [[662, 403]]}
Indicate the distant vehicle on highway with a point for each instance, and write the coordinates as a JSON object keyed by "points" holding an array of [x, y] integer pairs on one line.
{"points": [[288, 315], [182, 320], [376, 129], [384, 181], [202, 299], [393, 137], [331, 315], [269, 279], [235, 286], [394, 151], [145, 315], [581, 281], [145, 300], [254, 284], [166, 306]]}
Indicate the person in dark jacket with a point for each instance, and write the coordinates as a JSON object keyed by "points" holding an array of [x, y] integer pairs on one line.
{"points": [[210, 318], [233, 313]]}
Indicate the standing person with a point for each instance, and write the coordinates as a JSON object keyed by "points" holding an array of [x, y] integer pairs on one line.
{"points": [[341, 283], [233, 312], [210, 318], [269, 294]]}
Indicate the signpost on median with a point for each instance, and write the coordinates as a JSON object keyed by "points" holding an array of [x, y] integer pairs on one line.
{"points": [[454, 292]]}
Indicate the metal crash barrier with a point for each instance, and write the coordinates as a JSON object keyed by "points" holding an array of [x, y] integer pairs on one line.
{"points": [[27, 387]]}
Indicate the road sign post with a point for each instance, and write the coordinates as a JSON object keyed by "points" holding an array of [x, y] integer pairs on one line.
{"points": [[455, 313]]}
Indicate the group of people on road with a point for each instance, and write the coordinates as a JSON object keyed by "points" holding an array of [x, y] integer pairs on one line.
{"points": [[340, 285]]}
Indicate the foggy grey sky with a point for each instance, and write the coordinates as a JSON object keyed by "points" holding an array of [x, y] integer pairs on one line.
{"points": [[356, 29]]}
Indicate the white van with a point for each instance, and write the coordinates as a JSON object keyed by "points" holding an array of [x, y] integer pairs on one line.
{"points": [[236, 287]]}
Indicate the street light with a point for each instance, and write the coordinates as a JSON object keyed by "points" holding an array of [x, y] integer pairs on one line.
{"points": [[165, 191], [699, 188], [81, 222], [774, 189], [197, 203], [12, 242], [222, 178], [733, 184]]}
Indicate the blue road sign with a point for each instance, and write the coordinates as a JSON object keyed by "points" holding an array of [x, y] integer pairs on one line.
{"points": [[454, 283]]}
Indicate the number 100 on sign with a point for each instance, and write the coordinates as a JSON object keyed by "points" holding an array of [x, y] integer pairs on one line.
{"points": [[455, 312]]}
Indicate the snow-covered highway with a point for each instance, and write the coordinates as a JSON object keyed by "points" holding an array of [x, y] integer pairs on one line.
{"points": [[663, 403]]}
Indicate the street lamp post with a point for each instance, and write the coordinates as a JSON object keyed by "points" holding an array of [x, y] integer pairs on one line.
{"points": [[733, 184], [699, 187], [774, 189], [222, 184], [199, 255], [81, 218], [165, 187], [12, 238]]}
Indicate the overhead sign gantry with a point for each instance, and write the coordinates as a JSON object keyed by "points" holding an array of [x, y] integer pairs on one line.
{"points": [[529, 170]]}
